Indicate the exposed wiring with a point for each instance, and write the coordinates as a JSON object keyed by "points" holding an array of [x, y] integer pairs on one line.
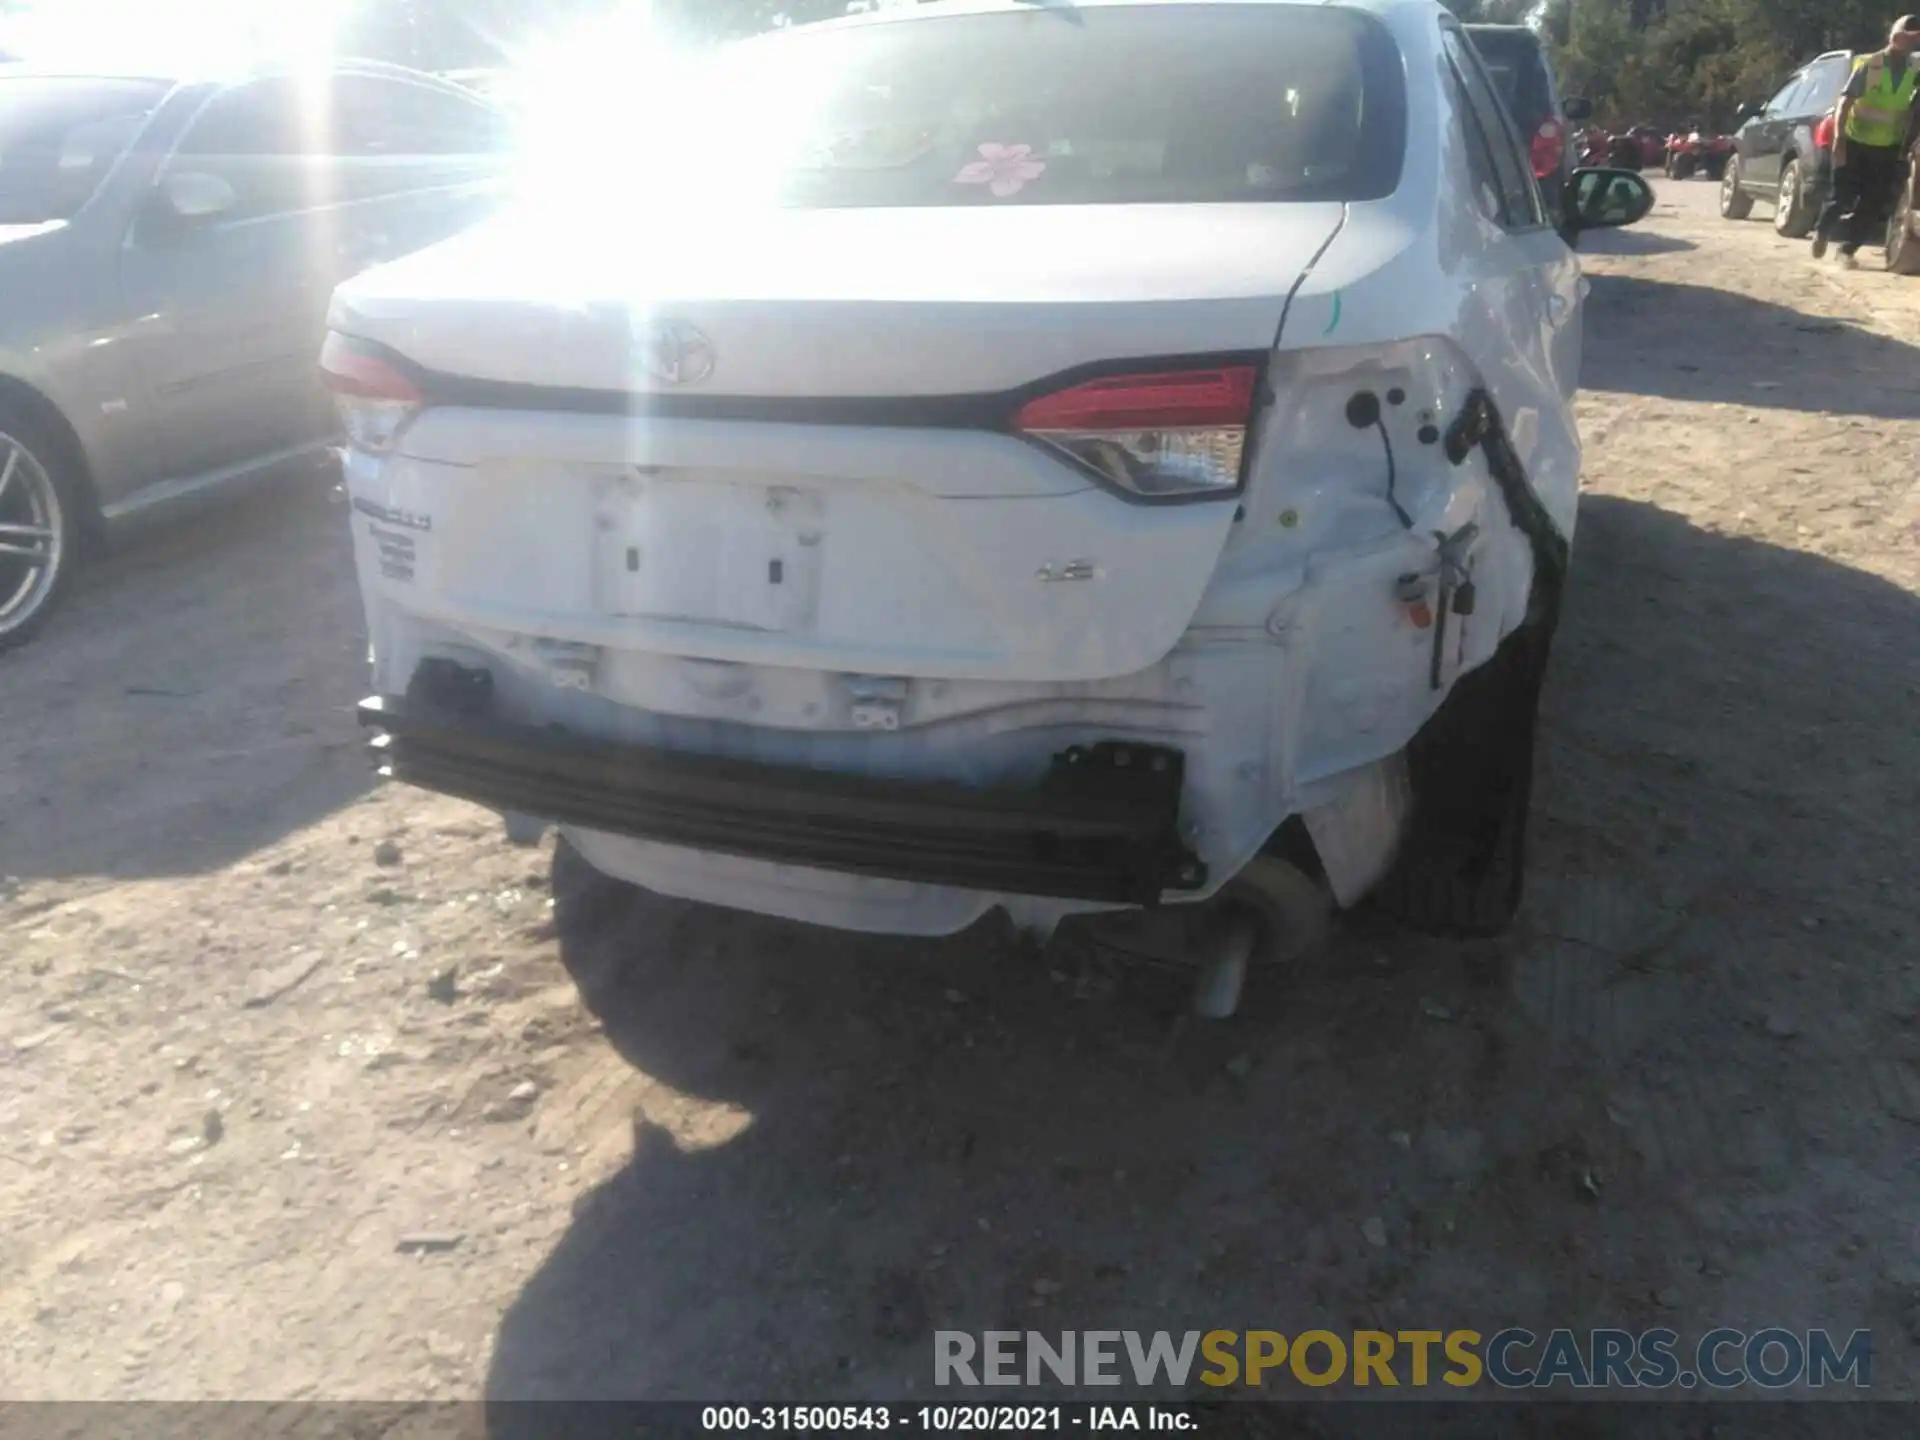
{"points": [[1393, 475], [1363, 413]]}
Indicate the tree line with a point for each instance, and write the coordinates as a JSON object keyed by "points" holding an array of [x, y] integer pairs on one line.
{"points": [[1674, 61], [1665, 61]]}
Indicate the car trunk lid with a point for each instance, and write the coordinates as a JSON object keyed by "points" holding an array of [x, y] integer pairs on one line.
{"points": [[832, 304], [844, 490]]}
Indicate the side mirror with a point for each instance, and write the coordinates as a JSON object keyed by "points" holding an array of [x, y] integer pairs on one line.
{"points": [[1578, 109], [1598, 199], [197, 195]]}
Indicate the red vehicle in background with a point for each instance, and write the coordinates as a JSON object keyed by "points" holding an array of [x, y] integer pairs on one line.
{"points": [[1696, 151], [1648, 147], [1643, 147]]}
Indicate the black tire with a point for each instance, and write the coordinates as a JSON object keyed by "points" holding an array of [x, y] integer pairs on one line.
{"points": [[1903, 246], [1462, 869], [41, 496], [1682, 168], [1715, 169], [1792, 216], [1735, 203]]}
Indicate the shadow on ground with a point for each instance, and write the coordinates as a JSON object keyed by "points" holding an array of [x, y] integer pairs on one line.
{"points": [[1656, 337], [193, 699], [1633, 242], [968, 1135]]}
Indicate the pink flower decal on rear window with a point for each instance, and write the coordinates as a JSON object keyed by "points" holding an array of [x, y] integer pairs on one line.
{"points": [[1003, 169]]}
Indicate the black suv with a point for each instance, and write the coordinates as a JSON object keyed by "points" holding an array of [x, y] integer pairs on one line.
{"points": [[1783, 151], [1518, 64]]}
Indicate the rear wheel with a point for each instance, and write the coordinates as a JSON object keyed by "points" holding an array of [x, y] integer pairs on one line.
{"points": [[39, 529], [1681, 167], [1715, 167], [1792, 216], [1462, 868], [1903, 246], [1735, 203]]}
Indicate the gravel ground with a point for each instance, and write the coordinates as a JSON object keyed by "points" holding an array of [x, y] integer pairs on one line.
{"points": [[298, 1098]]}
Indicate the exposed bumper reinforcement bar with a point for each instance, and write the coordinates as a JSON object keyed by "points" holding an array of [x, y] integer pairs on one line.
{"points": [[1101, 826]]}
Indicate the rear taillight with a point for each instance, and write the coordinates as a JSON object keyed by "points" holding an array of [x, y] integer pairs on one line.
{"points": [[1549, 148], [1163, 435], [1823, 132], [375, 396]]}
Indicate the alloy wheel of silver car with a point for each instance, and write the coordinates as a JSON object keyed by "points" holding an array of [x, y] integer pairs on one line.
{"points": [[32, 536]]}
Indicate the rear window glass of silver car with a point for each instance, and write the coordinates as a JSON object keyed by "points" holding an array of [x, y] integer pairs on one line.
{"points": [[59, 136], [1057, 105]]}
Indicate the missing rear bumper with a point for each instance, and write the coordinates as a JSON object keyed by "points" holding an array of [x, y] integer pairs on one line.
{"points": [[1103, 825]]}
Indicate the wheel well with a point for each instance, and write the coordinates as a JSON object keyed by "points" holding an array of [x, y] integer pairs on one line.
{"points": [[19, 395], [1293, 844]]}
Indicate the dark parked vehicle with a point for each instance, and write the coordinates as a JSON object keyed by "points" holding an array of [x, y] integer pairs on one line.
{"points": [[168, 247], [1903, 227], [1783, 152], [1517, 61]]}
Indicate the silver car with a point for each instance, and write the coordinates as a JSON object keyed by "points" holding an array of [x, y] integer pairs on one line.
{"points": [[167, 249]]}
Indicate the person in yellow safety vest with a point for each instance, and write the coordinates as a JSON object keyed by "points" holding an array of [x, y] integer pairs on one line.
{"points": [[1870, 136]]}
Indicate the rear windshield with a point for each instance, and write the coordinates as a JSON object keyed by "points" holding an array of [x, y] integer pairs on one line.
{"points": [[59, 137], [1825, 80], [1056, 105]]}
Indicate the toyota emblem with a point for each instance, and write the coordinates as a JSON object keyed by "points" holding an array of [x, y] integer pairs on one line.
{"points": [[674, 353]]}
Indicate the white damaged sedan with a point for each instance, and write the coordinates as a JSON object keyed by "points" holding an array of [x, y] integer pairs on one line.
{"points": [[1054, 457]]}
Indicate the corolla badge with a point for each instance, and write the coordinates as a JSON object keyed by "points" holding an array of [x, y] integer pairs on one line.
{"points": [[674, 353]]}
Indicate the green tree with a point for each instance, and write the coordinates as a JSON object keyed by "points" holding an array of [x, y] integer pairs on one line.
{"points": [[1675, 59]]}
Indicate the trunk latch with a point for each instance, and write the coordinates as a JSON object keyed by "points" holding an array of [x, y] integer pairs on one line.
{"points": [[877, 701], [570, 665]]}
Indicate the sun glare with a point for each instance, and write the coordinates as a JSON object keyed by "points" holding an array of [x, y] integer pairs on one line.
{"points": [[186, 36], [619, 116]]}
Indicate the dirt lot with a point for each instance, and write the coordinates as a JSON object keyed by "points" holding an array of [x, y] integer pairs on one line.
{"points": [[266, 1027]]}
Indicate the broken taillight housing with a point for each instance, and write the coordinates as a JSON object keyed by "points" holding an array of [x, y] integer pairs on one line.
{"points": [[1168, 434], [1823, 132], [1548, 149], [375, 396]]}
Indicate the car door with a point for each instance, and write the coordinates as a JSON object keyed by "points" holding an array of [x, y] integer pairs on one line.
{"points": [[1521, 319], [233, 303], [420, 163], [1765, 136]]}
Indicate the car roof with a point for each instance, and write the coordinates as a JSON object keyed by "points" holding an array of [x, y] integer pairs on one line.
{"points": [[891, 13], [1507, 37], [28, 70], [155, 75]]}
